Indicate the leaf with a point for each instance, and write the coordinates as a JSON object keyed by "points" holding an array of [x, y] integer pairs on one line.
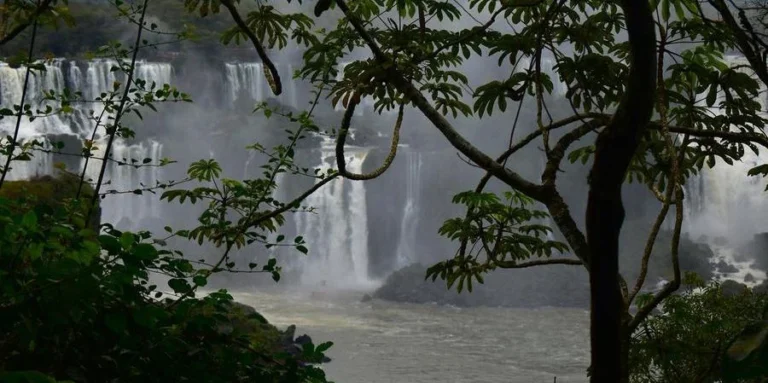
{"points": [[323, 347], [127, 240], [144, 251], [115, 322], [179, 285], [29, 220], [200, 280]]}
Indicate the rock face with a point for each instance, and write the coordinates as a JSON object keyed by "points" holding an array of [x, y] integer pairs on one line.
{"points": [[726, 268], [732, 288], [554, 286], [761, 288], [509, 288], [757, 251], [245, 318]]}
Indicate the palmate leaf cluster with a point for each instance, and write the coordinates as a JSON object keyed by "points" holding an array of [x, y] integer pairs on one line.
{"points": [[494, 234]]}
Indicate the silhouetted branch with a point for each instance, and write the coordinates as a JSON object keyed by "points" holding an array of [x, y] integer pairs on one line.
{"points": [[551, 261], [44, 6]]}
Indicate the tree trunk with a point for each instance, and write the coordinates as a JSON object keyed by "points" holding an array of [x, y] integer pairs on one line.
{"points": [[614, 150]]}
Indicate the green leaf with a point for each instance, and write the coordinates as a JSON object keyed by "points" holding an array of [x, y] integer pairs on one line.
{"points": [[127, 240], [115, 322], [29, 220], [144, 251]]}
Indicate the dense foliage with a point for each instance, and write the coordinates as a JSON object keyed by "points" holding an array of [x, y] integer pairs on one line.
{"points": [[80, 307], [81, 301], [648, 94], [686, 340]]}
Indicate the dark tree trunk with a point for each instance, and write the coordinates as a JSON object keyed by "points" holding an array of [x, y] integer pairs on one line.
{"points": [[614, 149]]}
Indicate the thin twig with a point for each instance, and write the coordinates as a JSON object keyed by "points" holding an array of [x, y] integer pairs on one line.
{"points": [[8, 160]]}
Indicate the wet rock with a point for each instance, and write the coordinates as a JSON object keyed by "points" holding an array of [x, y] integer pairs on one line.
{"points": [[732, 288], [725, 268], [757, 251], [530, 288], [721, 241], [761, 288]]}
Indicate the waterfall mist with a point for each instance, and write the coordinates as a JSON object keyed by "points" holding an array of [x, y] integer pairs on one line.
{"points": [[360, 232]]}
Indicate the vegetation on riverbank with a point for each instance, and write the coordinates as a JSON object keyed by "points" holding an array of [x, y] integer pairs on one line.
{"points": [[80, 304]]}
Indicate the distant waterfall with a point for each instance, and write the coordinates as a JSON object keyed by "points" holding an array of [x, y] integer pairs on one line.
{"points": [[406, 248], [247, 80], [96, 79], [337, 231], [725, 201]]}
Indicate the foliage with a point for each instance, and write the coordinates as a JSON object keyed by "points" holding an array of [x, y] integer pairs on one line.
{"points": [[501, 231], [705, 111], [50, 192], [80, 302], [84, 309], [178, 31], [687, 340]]}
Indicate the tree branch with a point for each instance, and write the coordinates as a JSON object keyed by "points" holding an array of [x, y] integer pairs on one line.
{"points": [[727, 135], [754, 57], [44, 6], [412, 94], [342, 138], [276, 84], [552, 261]]}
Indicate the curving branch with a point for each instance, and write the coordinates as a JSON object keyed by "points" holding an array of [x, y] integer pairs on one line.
{"points": [[288, 206], [458, 141], [342, 138], [748, 45], [545, 194], [273, 77]]}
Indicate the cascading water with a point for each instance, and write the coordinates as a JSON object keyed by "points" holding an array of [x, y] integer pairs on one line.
{"points": [[406, 248], [337, 236], [247, 80], [725, 202], [98, 78]]}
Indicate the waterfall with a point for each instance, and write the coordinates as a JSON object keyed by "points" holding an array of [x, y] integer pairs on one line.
{"points": [[406, 247], [97, 78], [337, 232], [559, 88], [247, 80], [724, 201]]}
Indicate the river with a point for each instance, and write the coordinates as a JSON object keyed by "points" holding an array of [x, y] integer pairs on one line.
{"points": [[386, 342]]}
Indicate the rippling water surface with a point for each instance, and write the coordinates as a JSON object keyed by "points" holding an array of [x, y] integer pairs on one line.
{"points": [[385, 342]]}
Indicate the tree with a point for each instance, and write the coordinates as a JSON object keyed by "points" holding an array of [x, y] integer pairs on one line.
{"points": [[638, 100], [639, 82], [76, 299], [687, 341]]}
